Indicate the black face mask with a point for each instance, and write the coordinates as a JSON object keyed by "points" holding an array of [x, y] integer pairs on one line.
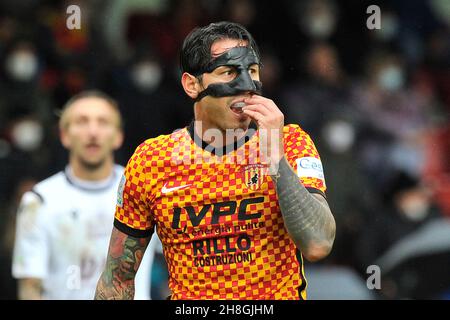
{"points": [[240, 58]]}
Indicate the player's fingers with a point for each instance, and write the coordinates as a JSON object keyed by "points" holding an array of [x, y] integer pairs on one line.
{"points": [[251, 101], [257, 108], [257, 116], [267, 103], [271, 118]]}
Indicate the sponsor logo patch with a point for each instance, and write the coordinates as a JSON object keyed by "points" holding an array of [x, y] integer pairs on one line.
{"points": [[310, 167]]}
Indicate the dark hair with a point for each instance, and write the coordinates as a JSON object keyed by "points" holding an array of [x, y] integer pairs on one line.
{"points": [[196, 51]]}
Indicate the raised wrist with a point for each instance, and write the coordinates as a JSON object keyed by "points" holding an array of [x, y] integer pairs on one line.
{"points": [[275, 166]]}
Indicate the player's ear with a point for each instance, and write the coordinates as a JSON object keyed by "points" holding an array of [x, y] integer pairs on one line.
{"points": [[64, 137], [190, 85], [118, 140]]}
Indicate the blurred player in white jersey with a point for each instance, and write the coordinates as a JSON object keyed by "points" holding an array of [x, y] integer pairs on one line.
{"points": [[64, 223]]}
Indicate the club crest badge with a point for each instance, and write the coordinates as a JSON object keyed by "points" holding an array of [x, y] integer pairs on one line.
{"points": [[254, 175]]}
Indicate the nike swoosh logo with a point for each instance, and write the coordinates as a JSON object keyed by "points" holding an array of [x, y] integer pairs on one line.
{"points": [[165, 190]]}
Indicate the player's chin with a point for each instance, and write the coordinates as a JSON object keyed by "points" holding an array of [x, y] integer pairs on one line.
{"points": [[245, 123], [93, 162], [242, 122]]}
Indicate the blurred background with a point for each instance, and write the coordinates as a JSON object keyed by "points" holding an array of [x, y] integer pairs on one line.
{"points": [[376, 103]]}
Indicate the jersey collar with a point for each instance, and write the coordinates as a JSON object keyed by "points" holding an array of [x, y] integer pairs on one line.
{"points": [[220, 151], [99, 185]]}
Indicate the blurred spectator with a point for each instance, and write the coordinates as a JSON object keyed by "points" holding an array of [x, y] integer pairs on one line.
{"points": [[117, 16], [19, 83], [162, 23], [322, 94], [395, 118], [386, 99], [23, 144], [68, 205], [147, 99], [416, 22], [408, 206], [389, 32], [318, 19], [320, 103], [349, 192]]}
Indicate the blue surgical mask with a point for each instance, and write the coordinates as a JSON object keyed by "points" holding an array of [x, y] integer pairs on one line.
{"points": [[22, 65], [146, 75], [391, 78]]}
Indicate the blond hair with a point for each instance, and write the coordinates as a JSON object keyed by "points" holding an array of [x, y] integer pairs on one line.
{"points": [[64, 115]]}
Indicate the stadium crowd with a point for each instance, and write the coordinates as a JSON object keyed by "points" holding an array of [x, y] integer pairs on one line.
{"points": [[376, 102]]}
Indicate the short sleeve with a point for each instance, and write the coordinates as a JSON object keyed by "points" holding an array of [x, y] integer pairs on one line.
{"points": [[303, 156], [31, 247], [133, 215]]}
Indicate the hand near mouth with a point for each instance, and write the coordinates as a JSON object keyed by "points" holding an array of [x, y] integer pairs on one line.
{"points": [[270, 121]]}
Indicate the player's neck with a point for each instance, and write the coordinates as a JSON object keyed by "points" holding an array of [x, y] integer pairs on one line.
{"points": [[86, 173], [204, 130]]}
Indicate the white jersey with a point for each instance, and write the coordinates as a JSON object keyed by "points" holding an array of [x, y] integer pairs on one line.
{"points": [[62, 237]]}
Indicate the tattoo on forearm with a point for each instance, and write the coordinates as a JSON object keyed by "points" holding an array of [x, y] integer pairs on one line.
{"points": [[124, 256], [307, 218]]}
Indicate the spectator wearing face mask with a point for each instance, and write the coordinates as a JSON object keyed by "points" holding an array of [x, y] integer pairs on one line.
{"points": [[385, 98], [394, 115], [145, 93], [318, 19], [339, 142], [315, 98], [20, 73], [21, 144]]}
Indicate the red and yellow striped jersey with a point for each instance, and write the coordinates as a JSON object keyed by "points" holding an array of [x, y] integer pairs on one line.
{"points": [[217, 215]]}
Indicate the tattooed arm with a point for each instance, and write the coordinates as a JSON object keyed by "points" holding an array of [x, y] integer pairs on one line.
{"points": [[124, 256], [307, 217]]}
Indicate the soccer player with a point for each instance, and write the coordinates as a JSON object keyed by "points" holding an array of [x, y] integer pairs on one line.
{"points": [[64, 223], [237, 197]]}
